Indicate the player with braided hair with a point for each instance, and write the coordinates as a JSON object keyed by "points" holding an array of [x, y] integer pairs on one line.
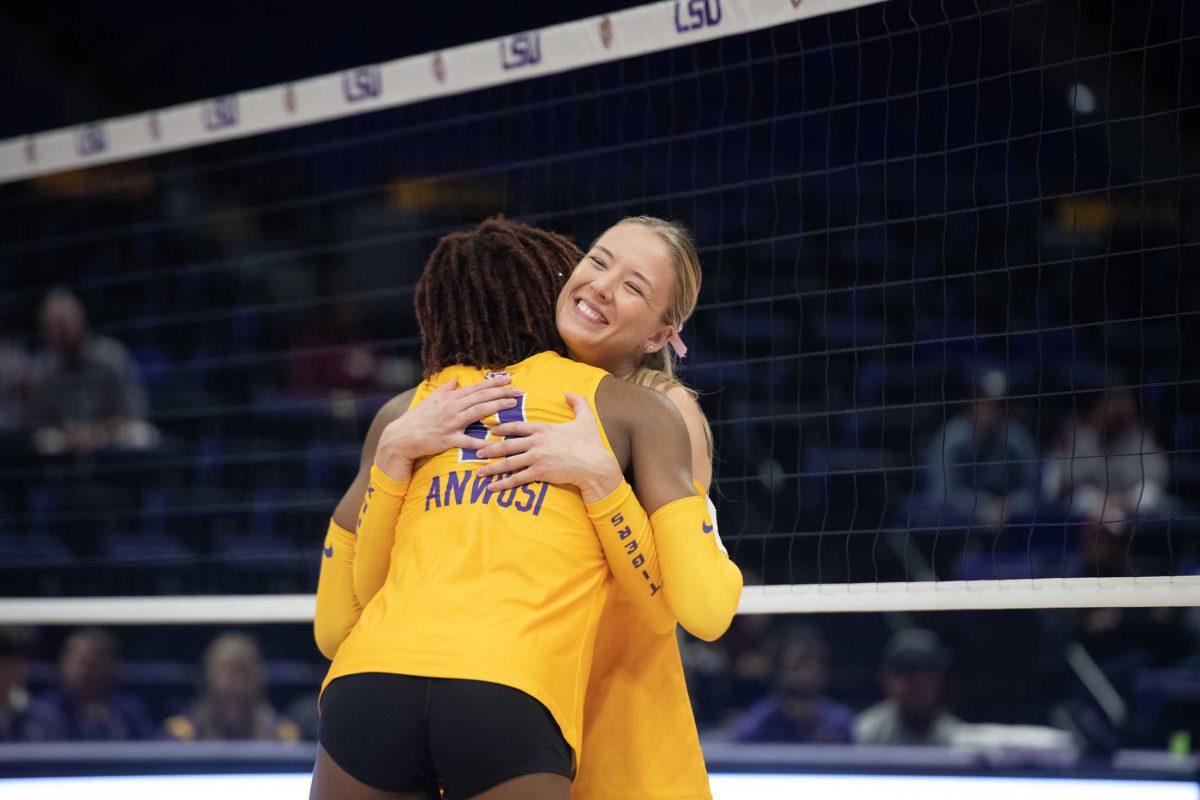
{"points": [[500, 685], [519, 268]]}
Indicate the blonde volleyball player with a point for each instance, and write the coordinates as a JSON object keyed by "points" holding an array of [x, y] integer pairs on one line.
{"points": [[621, 309], [480, 640]]}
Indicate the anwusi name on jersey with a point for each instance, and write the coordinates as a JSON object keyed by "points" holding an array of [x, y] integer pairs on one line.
{"points": [[463, 487]]}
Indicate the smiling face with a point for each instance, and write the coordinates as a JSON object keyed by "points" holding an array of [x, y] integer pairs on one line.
{"points": [[610, 313]]}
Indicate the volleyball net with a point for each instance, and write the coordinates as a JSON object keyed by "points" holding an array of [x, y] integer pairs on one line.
{"points": [[944, 338]]}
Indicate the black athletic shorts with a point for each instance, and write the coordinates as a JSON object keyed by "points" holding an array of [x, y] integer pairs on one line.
{"points": [[401, 733]]}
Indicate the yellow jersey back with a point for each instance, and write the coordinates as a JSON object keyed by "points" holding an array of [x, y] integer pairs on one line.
{"points": [[505, 587], [640, 740]]}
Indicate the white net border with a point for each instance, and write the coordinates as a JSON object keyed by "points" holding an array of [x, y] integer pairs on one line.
{"points": [[779, 599]]}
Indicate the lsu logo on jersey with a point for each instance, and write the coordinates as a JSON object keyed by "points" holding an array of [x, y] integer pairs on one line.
{"points": [[692, 15]]}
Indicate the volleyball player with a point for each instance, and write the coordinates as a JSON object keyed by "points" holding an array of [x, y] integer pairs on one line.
{"points": [[643, 275], [501, 603], [654, 753]]}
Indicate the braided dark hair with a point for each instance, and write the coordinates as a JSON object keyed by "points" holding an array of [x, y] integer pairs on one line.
{"points": [[487, 295]]}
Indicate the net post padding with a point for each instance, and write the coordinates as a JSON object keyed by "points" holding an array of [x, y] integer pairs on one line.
{"points": [[800, 599]]}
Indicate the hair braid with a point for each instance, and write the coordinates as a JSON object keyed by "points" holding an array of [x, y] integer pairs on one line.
{"points": [[487, 296]]}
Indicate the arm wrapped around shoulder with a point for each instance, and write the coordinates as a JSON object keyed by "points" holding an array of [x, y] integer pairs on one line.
{"points": [[338, 608], [702, 585], [624, 531], [377, 533]]}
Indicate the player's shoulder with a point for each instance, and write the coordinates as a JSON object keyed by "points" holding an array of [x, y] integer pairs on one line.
{"points": [[698, 428], [629, 401], [685, 401], [394, 408]]}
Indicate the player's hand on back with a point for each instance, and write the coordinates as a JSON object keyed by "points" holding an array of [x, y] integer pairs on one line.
{"points": [[439, 423], [568, 453]]}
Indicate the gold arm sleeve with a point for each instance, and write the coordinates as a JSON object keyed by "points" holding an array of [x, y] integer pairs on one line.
{"points": [[701, 584], [376, 533], [624, 531], [337, 607]]}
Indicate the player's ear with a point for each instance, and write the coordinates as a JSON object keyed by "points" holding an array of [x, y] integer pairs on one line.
{"points": [[659, 340]]}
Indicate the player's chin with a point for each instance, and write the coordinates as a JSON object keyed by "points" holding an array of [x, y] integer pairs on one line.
{"points": [[579, 339]]}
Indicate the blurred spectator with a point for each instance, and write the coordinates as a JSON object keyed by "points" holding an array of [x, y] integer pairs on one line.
{"points": [[913, 709], [234, 703], [88, 702], [23, 718], [726, 677], [1107, 465], [334, 353], [751, 651], [798, 711], [982, 467], [14, 396], [15, 437], [87, 390]]}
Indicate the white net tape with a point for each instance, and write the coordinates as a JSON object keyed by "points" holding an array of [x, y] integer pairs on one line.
{"points": [[804, 599]]}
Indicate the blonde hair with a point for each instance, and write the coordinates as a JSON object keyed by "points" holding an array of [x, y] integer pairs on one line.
{"points": [[657, 370]]}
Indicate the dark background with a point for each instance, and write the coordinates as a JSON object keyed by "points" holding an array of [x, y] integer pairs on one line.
{"points": [[884, 203], [66, 63]]}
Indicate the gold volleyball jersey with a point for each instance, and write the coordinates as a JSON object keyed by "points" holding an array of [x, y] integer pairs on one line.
{"points": [[506, 588], [640, 740]]}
